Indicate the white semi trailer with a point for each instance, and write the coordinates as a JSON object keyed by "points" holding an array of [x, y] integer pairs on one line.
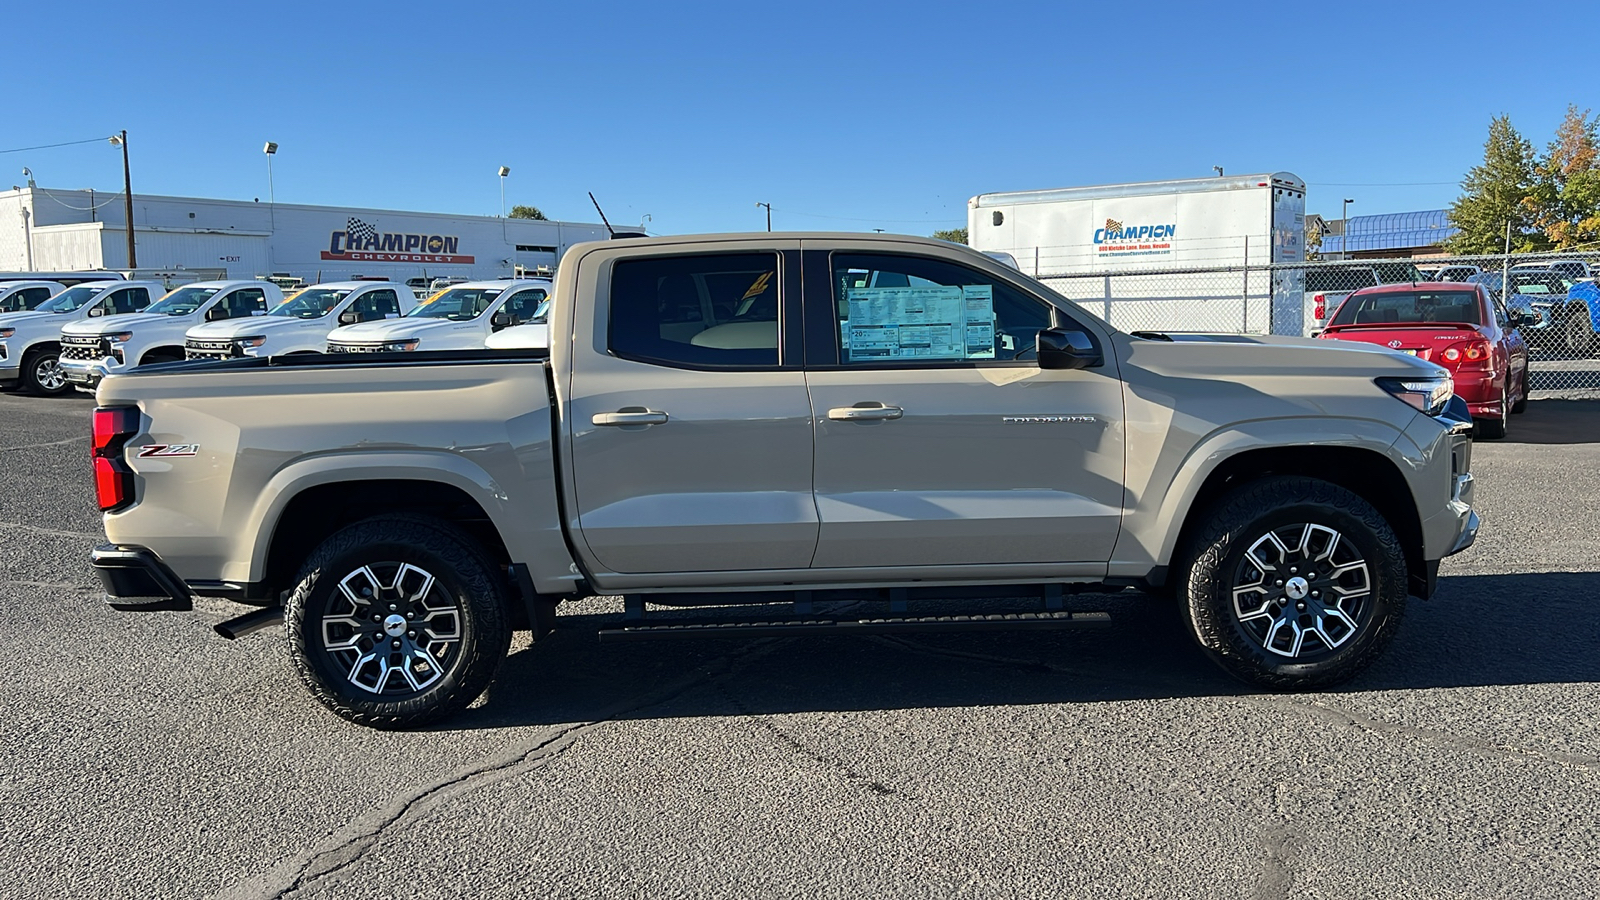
{"points": [[1193, 254]]}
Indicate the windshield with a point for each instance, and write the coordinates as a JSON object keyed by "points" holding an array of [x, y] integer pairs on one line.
{"points": [[1409, 308], [182, 301], [312, 303], [71, 298], [457, 304]]}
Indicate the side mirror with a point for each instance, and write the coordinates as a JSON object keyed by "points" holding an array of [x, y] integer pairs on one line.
{"points": [[97, 311], [216, 313], [1515, 318], [1062, 348], [500, 319], [349, 317]]}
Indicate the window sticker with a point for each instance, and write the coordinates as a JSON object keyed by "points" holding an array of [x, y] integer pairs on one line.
{"points": [[919, 323]]}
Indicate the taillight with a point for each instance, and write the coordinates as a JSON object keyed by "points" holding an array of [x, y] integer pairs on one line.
{"points": [[1468, 354], [113, 480], [1319, 308]]}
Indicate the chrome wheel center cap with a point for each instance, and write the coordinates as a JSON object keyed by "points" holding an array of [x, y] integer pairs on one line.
{"points": [[1296, 588], [394, 625]]}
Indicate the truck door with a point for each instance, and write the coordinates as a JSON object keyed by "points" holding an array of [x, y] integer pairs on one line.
{"points": [[939, 440], [689, 424]]}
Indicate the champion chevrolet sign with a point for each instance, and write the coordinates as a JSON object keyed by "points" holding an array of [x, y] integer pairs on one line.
{"points": [[362, 242]]}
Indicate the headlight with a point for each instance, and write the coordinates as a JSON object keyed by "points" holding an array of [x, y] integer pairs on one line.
{"points": [[251, 342], [7, 332], [406, 345], [1427, 394], [120, 337]]}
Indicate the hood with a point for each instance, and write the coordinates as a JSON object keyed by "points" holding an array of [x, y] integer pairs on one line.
{"points": [[122, 322], [390, 329], [9, 319], [1252, 357], [232, 328], [533, 336]]}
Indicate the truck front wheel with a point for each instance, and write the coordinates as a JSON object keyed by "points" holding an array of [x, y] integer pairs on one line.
{"points": [[397, 622], [1294, 583], [41, 373]]}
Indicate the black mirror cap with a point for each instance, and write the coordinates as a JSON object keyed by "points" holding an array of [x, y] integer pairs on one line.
{"points": [[216, 314], [1068, 348], [500, 319]]}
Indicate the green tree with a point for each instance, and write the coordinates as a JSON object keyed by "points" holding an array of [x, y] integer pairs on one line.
{"points": [[1569, 183], [1503, 188], [953, 235], [526, 212]]}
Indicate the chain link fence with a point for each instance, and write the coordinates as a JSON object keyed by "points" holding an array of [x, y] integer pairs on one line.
{"points": [[1556, 293]]}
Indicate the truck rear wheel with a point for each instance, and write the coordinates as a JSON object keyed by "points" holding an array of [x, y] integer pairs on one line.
{"points": [[1294, 583], [397, 622]]}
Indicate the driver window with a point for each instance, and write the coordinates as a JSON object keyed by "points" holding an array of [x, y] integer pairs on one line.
{"points": [[909, 309]]}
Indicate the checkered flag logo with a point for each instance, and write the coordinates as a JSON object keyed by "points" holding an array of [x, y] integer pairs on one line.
{"points": [[359, 231], [1112, 225]]}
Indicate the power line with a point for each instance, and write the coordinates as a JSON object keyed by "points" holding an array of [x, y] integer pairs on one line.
{"points": [[49, 146], [791, 212], [1379, 183]]}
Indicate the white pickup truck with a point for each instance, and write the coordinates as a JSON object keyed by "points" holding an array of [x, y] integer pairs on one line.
{"points": [[25, 296], [30, 342], [458, 318], [94, 348], [300, 324]]}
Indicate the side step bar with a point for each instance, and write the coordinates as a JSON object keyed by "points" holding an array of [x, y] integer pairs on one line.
{"points": [[659, 629]]}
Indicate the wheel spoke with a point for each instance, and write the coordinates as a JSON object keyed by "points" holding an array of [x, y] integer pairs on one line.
{"points": [[412, 621]]}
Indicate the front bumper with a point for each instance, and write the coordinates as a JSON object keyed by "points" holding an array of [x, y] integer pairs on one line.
{"points": [[86, 374], [10, 373], [136, 579]]}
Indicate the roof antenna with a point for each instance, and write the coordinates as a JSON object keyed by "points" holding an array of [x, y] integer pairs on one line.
{"points": [[602, 213]]}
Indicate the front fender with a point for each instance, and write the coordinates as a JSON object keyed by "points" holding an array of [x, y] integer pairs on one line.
{"points": [[1154, 520]]}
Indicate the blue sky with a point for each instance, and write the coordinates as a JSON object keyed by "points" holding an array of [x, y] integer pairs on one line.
{"points": [[844, 116]]}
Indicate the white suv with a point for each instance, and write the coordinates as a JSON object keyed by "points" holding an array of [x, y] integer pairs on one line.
{"points": [[459, 318], [301, 323], [30, 342], [95, 348]]}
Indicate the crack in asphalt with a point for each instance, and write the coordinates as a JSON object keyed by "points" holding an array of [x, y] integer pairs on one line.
{"points": [[51, 532], [342, 848], [793, 743], [63, 441]]}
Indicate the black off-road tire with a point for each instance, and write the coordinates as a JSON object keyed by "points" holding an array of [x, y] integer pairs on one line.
{"points": [[1219, 547], [465, 574]]}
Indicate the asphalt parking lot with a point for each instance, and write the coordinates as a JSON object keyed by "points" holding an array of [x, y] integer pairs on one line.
{"points": [[143, 755]]}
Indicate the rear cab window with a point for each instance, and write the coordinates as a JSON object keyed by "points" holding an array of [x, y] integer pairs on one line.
{"points": [[696, 311]]}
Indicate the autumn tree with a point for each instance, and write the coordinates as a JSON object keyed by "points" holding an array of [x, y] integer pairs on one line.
{"points": [[1503, 188], [1568, 193]]}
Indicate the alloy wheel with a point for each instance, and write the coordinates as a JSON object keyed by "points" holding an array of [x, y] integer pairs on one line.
{"points": [[48, 375], [392, 629], [1301, 590]]}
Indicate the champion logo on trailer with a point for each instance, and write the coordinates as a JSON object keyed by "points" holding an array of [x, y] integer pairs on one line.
{"points": [[363, 242], [1116, 231]]}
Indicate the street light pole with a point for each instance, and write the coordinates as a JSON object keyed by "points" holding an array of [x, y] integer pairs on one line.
{"points": [[271, 150], [121, 139], [1344, 229], [504, 171], [769, 213]]}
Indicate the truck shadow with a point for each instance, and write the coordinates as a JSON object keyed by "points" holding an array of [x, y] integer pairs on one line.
{"points": [[1479, 630]]}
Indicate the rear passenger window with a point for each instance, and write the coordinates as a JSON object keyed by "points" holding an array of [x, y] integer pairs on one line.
{"points": [[383, 303], [716, 311], [127, 301], [246, 302]]}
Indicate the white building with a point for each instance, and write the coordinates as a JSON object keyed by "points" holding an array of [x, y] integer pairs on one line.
{"points": [[47, 229]]}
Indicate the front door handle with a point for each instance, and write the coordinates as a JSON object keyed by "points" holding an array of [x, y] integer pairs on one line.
{"points": [[630, 415], [865, 412]]}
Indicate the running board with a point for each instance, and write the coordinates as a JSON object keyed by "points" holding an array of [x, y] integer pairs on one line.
{"points": [[638, 631]]}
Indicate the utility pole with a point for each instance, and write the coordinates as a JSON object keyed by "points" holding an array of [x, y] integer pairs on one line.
{"points": [[1344, 229], [121, 140], [769, 213]]}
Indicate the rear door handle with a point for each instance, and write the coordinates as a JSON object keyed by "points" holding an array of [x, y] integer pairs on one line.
{"points": [[865, 412], [630, 415]]}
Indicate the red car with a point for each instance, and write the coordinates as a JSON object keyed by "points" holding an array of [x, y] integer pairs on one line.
{"points": [[1459, 326]]}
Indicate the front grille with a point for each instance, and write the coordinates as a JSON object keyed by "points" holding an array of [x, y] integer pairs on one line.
{"points": [[211, 349], [354, 348], [82, 348]]}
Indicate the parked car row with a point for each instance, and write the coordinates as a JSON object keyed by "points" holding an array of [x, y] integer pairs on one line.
{"points": [[80, 335]]}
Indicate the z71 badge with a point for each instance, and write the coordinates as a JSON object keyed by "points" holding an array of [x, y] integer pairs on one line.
{"points": [[160, 450]]}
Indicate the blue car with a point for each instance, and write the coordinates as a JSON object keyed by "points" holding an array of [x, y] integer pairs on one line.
{"points": [[1565, 314]]}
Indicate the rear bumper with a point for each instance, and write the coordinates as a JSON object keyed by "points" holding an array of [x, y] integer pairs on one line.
{"points": [[136, 579]]}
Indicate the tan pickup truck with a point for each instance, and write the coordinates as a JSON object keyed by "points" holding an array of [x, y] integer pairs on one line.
{"points": [[776, 422]]}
